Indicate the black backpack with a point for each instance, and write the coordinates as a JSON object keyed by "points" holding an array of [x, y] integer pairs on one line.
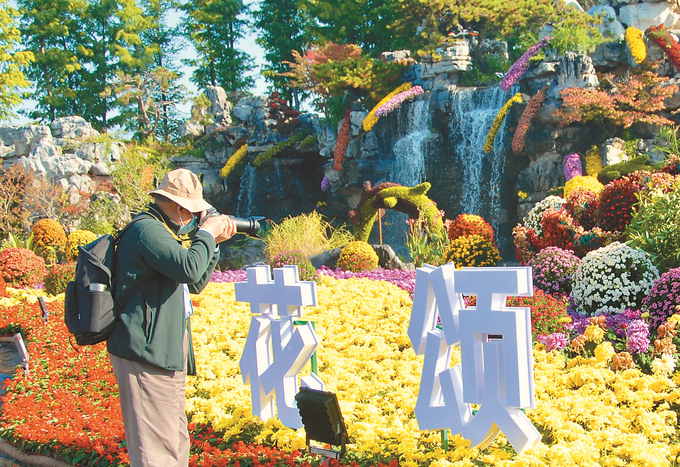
{"points": [[89, 304]]}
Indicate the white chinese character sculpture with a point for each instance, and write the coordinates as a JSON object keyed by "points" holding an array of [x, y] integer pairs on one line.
{"points": [[276, 350], [495, 373]]}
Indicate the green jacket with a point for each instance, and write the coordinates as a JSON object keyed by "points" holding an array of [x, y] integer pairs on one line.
{"points": [[151, 266]]}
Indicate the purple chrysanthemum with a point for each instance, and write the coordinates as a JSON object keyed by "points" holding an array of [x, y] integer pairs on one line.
{"points": [[554, 341], [325, 184], [638, 336], [572, 166], [522, 64]]}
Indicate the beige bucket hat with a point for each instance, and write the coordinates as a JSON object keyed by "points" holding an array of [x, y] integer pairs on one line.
{"points": [[183, 187]]}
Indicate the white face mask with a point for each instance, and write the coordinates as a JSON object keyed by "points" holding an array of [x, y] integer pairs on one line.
{"points": [[189, 227]]}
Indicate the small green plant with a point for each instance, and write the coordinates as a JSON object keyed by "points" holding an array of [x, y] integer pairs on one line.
{"points": [[426, 246], [575, 31], [306, 271], [307, 233], [59, 276]]}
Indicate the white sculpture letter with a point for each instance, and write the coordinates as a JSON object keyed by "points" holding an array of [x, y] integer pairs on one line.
{"points": [[276, 350], [496, 373]]}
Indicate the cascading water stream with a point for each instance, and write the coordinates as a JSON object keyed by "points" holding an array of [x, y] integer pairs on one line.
{"points": [[410, 150], [472, 113], [245, 195]]}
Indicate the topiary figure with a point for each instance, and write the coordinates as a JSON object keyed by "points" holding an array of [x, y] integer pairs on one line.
{"points": [[60, 274], [388, 195], [49, 239], [21, 267], [76, 239], [306, 271], [472, 251], [358, 256], [470, 224]]}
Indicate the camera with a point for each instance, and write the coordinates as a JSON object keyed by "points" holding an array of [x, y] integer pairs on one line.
{"points": [[249, 226]]}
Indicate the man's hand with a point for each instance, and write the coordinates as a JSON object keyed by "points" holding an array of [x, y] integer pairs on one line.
{"points": [[221, 227]]}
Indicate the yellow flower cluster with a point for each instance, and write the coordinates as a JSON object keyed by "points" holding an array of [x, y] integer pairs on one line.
{"points": [[78, 238], [498, 121], [370, 120], [358, 256], [583, 182], [593, 161], [588, 414], [17, 296], [636, 44], [235, 159], [472, 251], [49, 239]]}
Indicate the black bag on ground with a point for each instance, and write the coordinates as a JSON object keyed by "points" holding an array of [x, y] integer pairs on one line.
{"points": [[89, 304]]}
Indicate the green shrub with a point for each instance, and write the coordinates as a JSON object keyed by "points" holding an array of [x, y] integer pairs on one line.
{"points": [[306, 271], [616, 171], [655, 228], [60, 274]]}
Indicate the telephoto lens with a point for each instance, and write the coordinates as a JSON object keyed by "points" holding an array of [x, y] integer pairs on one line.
{"points": [[249, 226]]}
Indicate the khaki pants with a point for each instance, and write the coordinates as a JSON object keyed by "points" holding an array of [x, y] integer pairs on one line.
{"points": [[152, 401]]}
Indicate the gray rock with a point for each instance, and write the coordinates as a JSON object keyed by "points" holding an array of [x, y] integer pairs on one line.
{"points": [[542, 174], [32, 163], [326, 140], [648, 147], [611, 54], [101, 168], [73, 127], [644, 15], [611, 28], [220, 108], [575, 71], [107, 151], [388, 259], [396, 56], [46, 150], [613, 152], [73, 194], [328, 258], [65, 166], [573, 3], [356, 120], [192, 129], [495, 48], [25, 138], [81, 182]]}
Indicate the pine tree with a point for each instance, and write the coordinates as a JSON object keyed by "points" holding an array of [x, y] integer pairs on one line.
{"points": [[50, 30], [214, 27], [12, 78], [112, 43], [281, 27]]}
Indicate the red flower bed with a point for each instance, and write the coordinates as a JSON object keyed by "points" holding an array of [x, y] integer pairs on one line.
{"points": [[662, 37], [558, 229], [470, 224]]}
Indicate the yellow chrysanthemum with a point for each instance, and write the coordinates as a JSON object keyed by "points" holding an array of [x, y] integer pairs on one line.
{"points": [[636, 44], [584, 182], [78, 238], [594, 333], [604, 352]]}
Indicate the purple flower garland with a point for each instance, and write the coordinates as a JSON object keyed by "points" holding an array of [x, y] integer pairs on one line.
{"points": [[396, 101], [572, 166], [522, 64]]}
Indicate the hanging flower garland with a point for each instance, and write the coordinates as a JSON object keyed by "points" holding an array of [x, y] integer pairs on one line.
{"points": [[663, 38], [522, 64], [498, 121], [636, 44], [371, 119], [524, 123], [394, 103], [341, 143], [278, 147], [237, 158]]}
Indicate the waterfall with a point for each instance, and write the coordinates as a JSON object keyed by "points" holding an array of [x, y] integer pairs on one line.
{"points": [[410, 150], [246, 191], [472, 113]]}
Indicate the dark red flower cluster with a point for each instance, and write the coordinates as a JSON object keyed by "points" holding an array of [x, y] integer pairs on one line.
{"points": [[341, 143], [286, 117], [616, 204], [663, 38]]}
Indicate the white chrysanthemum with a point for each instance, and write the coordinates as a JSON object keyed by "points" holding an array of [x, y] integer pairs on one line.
{"points": [[665, 365], [612, 279], [533, 218]]}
